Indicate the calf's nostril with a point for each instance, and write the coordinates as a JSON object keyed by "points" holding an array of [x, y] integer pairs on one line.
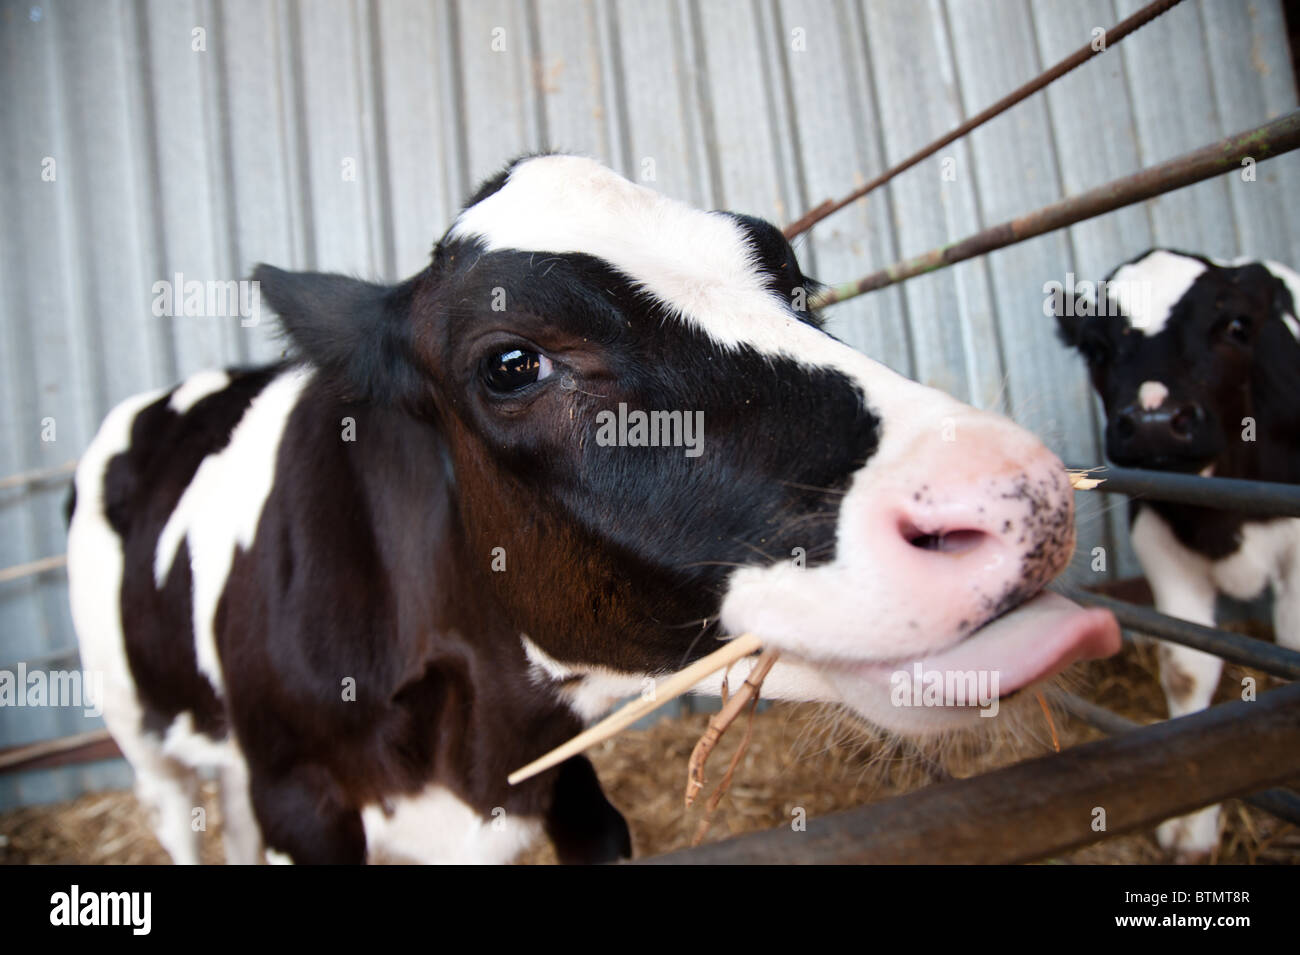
{"points": [[1125, 427], [1184, 421]]}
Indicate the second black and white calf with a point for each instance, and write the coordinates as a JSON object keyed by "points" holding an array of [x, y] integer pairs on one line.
{"points": [[1197, 363], [368, 583]]}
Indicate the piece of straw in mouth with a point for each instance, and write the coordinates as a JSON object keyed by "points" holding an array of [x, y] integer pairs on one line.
{"points": [[719, 722], [695, 770], [1051, 724], [669, 690]]}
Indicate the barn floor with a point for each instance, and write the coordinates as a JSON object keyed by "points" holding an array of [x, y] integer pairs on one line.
{"points": [[800, 756]]}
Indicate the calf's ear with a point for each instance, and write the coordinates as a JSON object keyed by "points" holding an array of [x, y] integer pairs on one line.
{"points": [[357, 334], [1286, 290]]}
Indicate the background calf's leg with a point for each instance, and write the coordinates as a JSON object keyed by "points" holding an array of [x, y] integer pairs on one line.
{"points": [[1189, 678], [1183, 588]]}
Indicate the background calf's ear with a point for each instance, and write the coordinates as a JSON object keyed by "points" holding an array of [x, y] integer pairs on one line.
{"points": [[356, 333], [1068, 326], [1286, 290]]}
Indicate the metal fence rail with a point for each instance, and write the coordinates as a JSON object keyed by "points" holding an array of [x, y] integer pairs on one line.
{"points": [[1283, 803], [1256, 498], [1234, 647], [1044, 79], [1263, 142]]}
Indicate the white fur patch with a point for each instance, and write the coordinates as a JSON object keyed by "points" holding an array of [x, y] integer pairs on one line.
{"points": [[593, 690], [185, 743], [790, 680], [1267, 556], [95, 564], [1181, 581], [220, 509], [95, 569], [545, 667], [697, 263], [197, 387], [599, 688], [1180, 578], [436, 827], [1152, 394], [1147, 290]]}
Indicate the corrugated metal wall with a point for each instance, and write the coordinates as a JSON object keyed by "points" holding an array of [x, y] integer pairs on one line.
{"points": [[169, 159]]}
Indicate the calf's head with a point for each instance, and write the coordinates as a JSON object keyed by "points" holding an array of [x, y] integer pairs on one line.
{"points": [[1195, 362], [641, 413]]}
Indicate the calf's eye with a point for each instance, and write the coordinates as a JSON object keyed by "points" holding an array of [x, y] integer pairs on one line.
{"points": [[514, 369], [1239, 329]]}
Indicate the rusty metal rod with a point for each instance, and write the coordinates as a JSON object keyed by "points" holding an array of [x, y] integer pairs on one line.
{"points": [[1075, 59], [39, 476], [1234, 647], [1257, 498], [1263, 142], [45, 564], [1283, 803], [1047, 806], [61, 751]]}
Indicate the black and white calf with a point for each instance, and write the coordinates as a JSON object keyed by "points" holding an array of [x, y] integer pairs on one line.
{"points": [[1197, 363], [368, 583]]}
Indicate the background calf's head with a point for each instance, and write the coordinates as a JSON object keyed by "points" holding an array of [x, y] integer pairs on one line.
{"points": [[1196, 364]]}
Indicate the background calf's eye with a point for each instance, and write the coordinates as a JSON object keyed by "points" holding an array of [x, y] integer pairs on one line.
{"points": [[1095, 352], [515, 368], [1239, 329]]}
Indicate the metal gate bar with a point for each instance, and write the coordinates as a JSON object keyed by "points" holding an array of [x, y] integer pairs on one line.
{"points": [[1256, 498], [1076, 59], [1235, 647], [1263, 142], [1283, 803]]}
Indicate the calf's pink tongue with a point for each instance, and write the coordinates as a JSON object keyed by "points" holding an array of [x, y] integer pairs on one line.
{"points": [[1038, 639]]}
